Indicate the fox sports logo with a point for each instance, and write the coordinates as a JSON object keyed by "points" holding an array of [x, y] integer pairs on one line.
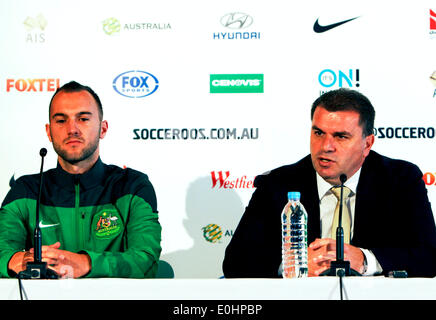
{"points": [[135, 84]]}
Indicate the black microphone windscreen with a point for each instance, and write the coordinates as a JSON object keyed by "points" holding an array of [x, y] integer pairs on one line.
{"points": [[343, 178], [43, 152]]}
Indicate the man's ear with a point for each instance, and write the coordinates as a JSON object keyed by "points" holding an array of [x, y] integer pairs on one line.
{"points": [[369, 141], [48, 131], [103, 129]]}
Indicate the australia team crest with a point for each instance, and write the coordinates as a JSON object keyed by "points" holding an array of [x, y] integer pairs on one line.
{"points": [[107, 224]]}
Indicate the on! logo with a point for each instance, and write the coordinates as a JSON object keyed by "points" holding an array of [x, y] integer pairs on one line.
{"points": [[221, 179], [32, 85], [329, 78], [135, 84], [429, 178]]}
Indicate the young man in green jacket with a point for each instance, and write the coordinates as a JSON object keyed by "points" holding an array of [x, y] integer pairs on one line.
{"points": [[96, 220]]}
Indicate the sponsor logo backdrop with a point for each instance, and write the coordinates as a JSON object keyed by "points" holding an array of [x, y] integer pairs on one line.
{"points": [[204, 95]]}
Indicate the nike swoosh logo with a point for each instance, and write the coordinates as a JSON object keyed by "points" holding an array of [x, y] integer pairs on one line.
{"points": [[41, 225], [320, 29]]}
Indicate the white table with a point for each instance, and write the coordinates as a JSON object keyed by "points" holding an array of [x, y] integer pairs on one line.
{"points": [[319, 288]]}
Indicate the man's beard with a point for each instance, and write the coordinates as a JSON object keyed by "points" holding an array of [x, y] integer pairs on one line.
{"points": [[87, 152]]}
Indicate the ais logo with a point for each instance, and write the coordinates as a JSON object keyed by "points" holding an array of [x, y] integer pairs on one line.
{"points": [[135, 84], [35, 27]]}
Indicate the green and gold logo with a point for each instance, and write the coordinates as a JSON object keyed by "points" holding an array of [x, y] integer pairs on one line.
{"points": [[107, 224], [212, 232], [111, 26]]}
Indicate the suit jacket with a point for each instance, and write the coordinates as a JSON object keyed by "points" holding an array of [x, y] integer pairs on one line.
{"points": [[393, 218]]}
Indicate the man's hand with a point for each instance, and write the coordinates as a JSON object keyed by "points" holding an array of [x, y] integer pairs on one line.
{"points": [[322, 251], [65, 263], [19, 260]]}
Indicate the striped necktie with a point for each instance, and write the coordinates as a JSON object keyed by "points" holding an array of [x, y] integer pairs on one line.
{"points": [[346, 225]]}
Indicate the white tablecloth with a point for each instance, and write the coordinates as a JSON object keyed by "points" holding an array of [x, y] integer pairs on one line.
{"points": [[320, 288]]}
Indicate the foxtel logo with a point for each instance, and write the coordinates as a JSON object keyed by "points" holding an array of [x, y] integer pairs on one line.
{"points": [[32, 85], [221, 179]]}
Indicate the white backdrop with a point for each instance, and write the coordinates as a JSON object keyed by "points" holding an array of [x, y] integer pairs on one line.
{"points": [[183, 44]]}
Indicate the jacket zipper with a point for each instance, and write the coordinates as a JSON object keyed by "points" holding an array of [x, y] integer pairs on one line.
{"points": [[79, 217]]}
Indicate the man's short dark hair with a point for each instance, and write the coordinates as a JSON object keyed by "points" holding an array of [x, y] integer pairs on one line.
{"points": [[348, 100], [74, 86]]}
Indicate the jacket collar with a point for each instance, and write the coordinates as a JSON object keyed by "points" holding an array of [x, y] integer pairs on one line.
{"points": [[87, 180]]}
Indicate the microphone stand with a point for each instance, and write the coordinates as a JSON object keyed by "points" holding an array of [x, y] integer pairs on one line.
{"points": [[339, 267], [38, 269]]}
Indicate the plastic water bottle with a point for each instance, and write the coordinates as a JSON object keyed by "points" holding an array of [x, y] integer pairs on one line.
{"points": [[294, 238]]}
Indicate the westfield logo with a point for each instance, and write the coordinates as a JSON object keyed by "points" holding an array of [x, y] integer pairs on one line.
{"points": [[221, 179]]}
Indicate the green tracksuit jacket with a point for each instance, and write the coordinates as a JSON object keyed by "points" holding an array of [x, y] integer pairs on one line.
{"points": [[108, 212]]}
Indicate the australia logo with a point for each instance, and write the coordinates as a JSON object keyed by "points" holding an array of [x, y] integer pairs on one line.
{"points": [[107, 225], [212, 233]]}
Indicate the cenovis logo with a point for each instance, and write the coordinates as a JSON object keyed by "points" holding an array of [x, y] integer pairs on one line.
{"points": [[135, 84], [236, 83]]}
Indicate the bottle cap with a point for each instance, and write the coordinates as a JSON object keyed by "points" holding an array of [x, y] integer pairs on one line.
{"points": [[294, 195]]}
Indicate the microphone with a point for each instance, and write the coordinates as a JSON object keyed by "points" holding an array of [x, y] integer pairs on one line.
{"points": [[37, 232], [340, 230], [38, 269], [43, 152], [342, 177], [339, 267]]}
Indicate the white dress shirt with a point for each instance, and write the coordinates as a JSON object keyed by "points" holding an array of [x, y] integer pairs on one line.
{"points": [[327, 205]]}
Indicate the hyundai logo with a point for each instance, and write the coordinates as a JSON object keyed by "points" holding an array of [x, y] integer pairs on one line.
{"points": [[236, 20]]}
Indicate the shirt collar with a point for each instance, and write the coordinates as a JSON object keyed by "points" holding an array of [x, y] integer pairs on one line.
{"points": [[324, 187]]}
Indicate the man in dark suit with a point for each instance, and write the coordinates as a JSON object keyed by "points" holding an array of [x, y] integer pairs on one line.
{"points": [[391, 222]]}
